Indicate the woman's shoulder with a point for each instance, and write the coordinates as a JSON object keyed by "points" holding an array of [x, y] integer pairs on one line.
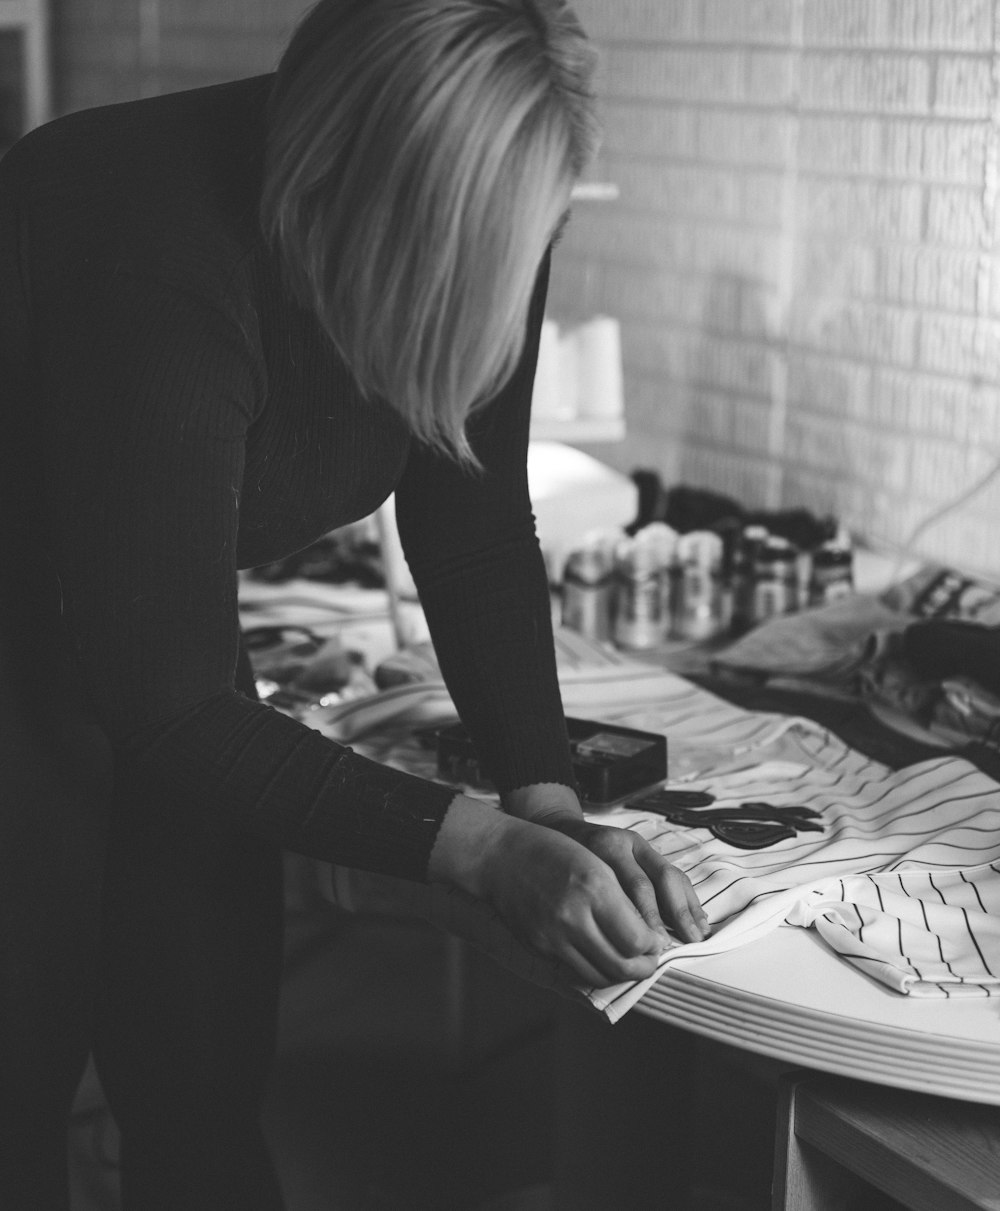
{"points": [[166, 187]]}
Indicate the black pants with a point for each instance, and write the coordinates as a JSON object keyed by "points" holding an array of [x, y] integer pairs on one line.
{"points": [[171, 976]]}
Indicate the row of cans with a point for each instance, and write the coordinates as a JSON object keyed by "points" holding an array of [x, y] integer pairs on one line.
{"points": [[657, 585]]}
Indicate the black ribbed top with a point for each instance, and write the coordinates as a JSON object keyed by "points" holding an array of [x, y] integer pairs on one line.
{"points": [[175, 417]]}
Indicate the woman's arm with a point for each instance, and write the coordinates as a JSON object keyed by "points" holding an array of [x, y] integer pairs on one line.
{"points": [[557, 898], [661, 892], [471, 544]]}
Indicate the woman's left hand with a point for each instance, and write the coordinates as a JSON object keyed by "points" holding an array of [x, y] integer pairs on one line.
{"points": [[660, 891]]}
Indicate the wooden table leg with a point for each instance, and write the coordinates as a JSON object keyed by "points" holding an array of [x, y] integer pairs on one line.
{"points": [[838, 1137]]}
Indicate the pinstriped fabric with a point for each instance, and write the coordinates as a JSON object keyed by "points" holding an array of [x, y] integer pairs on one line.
{"points": [[903, 882]]}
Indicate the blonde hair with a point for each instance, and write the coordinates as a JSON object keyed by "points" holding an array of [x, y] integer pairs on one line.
{"points": [[419, 156]]}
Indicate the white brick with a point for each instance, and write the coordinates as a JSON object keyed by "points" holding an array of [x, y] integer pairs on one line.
{"points": [[752, 426], [817, 441], [955, 151], [919, 404], [639, 239], [753, 255], [882, 459], [673, 75], [643, 20], [734, 475], [841, 145], [716, 361], [866, 83], [982, 418], [654, 405], [727, 420], [992, 277], [960, 347], [646, 129], [939, 469], [848, 449], [986, 502], [747, 21], [909, 24], [731, 136], [969, 540], [576, 288], [929, 23], [825, 494], [639, 292], [763, 198], [964, 87], [955, 216], [928, 277], [893, 147], [833, 268], [829, 385], [770, 78], [761, 312], [891, 210], [656, 349], [861, 330], [845, 23], [676, 189], [646, 445]]}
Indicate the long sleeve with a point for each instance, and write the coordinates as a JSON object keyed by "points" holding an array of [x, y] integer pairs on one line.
{"points": [[471, 545], [147, 396]]}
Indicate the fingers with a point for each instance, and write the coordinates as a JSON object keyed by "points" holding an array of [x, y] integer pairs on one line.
{"points": [[600, 936], [674, 895], [613, 969], [642, 894], [661, 893]]}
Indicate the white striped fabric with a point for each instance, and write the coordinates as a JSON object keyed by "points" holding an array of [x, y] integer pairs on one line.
{"points": [[903, 882]]}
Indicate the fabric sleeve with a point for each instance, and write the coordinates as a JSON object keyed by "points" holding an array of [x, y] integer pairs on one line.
{"points": [[146, 398], [470, 541]]}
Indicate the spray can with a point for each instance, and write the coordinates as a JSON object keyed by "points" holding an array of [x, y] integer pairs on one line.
{"points": [[776, 580], [661, 542], [831, 576], [699, 614], [587, 592], [749, 543], [641, 619]]}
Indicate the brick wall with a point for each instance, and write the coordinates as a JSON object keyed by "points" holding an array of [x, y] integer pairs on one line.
{"points": [[803, 255], [111, 50]]}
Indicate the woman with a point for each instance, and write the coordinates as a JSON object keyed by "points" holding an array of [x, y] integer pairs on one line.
{"points": [[233, 319]]}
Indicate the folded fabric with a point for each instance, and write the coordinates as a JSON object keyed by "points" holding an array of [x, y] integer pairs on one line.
{"points": [[827, 644], [940, 648], [936, 822], [924, 933], [935, 825]]}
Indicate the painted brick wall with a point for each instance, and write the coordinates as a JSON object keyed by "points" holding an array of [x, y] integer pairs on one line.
{"points": [[111, 50], [803, 255]]}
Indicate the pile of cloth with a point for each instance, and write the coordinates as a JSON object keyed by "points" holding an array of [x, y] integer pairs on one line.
{"points": [[924, 654]]}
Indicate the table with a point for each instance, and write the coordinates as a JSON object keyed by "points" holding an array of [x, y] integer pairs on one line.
{"points": [[787, 998], [837, 1141]]}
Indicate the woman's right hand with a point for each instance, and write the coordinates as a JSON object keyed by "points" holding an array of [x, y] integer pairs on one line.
{"points": [[556, 897]]}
